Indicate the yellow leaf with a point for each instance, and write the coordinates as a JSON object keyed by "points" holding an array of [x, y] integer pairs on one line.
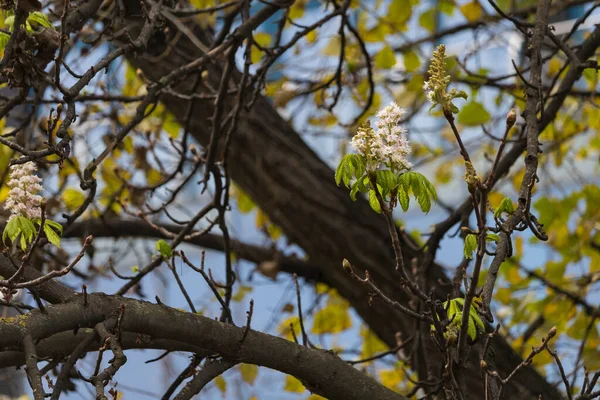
{"points": [[297, 9], [311, 36], [286, 326], [154, 177], [512, 275], [249, 373], [293, 385], [72, 198], [263, 39], [315, 397], [554, 66], [399, 12], [386, 58], [333, 318], [503, 295], [472, 11], [518, 178], [371, 344], [391, 378], [518, 246], [411, 61], [333, 47], [241, 293], [220, 383]]}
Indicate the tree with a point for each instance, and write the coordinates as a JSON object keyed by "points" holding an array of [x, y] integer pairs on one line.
{"points": [[211, 75]]}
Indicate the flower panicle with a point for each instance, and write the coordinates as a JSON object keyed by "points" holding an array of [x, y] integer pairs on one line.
{"points": [[23, 198], [436, 88], [385, 145]]}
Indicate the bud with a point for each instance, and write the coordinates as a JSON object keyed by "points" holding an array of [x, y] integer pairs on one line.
{"points": [[552, 332], [483, 364], [347, 266], [511, 118]]}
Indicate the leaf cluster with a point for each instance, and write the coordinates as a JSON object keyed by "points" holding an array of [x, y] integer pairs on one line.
{"points": [[23, 230], [454, 311], [36, 21], [352, 172]]}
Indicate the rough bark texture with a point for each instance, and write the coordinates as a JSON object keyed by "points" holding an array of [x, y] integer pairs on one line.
{"points": [[271, 162], [328, 374]]}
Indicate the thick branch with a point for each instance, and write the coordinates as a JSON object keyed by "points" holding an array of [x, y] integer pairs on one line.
{"points": [[327, 374]]}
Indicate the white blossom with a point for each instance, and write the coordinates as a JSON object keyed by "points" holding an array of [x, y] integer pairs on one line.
{"points": [[387, 144], [23, 198]]}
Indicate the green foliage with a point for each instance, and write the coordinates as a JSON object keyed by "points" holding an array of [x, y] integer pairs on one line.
{"points": [[164, 249], [374, 201], [50, 229], [352, 168], [19, 226], [36, 21], [423, 191], [506, 206], [386, 58], [492, 237], [24, 230], [473, 114], [454, 311], [470, 245]]}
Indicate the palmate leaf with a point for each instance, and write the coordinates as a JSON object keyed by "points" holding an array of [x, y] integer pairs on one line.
{"points": [[454, 310], [351, 166], [387, 180], [19, 227], [423, 191]]}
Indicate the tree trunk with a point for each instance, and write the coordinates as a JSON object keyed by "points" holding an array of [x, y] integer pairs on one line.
{"points": [[271, 163]]}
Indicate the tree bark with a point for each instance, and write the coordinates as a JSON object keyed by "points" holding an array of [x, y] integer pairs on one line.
{"points": [[272, 163]]}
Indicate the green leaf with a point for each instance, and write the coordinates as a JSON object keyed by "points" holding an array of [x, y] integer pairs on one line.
{"points": [[386, 58], [454, 310], [473, 114], [19, 226], [3, 40], [470, 245], [51, 235], [350, 166], [492, 237], [55, 225], [38, 20], [164, 248], [403, 198], [506, 206], [387, 180], [474, 316], [374, 202], [423, 190]]}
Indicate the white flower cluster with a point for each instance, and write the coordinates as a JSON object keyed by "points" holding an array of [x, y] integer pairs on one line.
{"points": [[388, 144], [429, 92], [23, 198]]}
